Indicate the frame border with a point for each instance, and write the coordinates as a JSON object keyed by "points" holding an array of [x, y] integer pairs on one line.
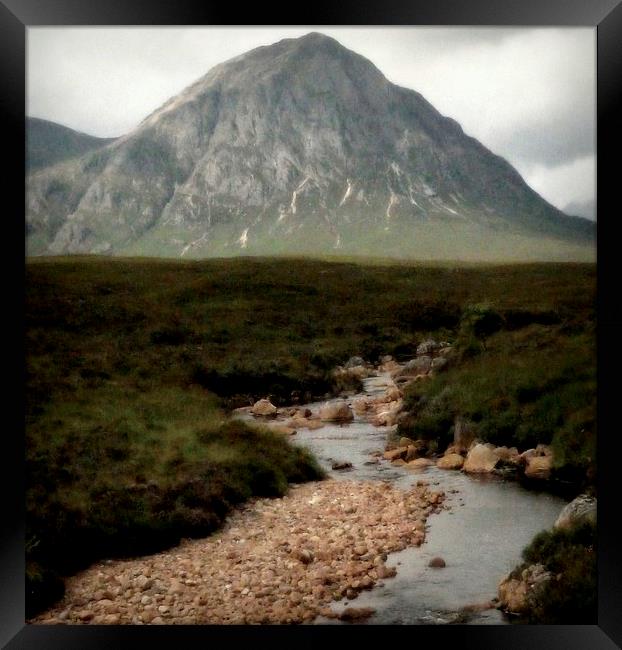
{"points": [[606, 17]]}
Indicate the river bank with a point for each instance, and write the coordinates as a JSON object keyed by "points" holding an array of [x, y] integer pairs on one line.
{"points": [[480, 533], [132, 365], [275, 561], [306, 556]]}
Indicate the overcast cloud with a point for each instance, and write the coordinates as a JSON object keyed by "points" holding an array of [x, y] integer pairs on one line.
{"points": [[528, 94]]}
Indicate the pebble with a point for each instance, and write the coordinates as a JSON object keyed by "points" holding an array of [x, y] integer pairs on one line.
{"points": [[274, 561]]}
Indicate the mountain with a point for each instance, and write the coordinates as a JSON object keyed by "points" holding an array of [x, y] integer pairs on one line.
{"points": [[298, 147], [586, 209], [48, 143]]}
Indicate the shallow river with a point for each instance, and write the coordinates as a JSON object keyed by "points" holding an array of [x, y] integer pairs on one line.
{"points": [[480, 536]]}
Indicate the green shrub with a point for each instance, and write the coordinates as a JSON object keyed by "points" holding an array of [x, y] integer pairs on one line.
{"points": [[570, 597], [518, 392], [125, 473]]}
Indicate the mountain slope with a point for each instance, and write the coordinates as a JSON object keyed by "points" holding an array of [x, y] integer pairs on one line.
{"points": [[298, 147], [48, 143]]}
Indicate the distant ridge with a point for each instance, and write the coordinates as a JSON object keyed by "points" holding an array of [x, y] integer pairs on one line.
{"points": [[48, 143]]}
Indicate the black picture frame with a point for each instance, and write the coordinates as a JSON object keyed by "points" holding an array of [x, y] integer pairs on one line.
{"points": [[605, 15]]}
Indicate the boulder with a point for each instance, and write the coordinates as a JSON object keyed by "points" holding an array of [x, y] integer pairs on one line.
{"points": [[507, 455], [386, 415], [427, 346], [361, 405], [393, 393], [539, 467], [450, 461], [526, 455], [360, 372], [394, 454], [480, 459], [338, 411], [283, 429], [341, 465], [419, 463], [515, 593], [437, 563], [412, 452], [264, 407], [303, 423], [389, 366], [544, 450], [580, 510], [454, 449], [384, 571], [417, 366], [384, 419], [439, 363], [356, 613], [285, 411], [354, 362], [407, 442]]}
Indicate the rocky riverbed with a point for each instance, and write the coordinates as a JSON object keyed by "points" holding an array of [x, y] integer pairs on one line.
{"points": [[275, 561], [287, 560]]}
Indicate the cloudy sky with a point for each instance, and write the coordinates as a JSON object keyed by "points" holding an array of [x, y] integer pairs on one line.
{"points": [[528, 94]]}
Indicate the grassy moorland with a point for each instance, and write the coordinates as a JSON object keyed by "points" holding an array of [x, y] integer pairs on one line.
{"points": [[133, 363], [517, 384], [570, 597]]}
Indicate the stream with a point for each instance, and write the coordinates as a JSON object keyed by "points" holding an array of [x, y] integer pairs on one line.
{"points": [[489, 520]]}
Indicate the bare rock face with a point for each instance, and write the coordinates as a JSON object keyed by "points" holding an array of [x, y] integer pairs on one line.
{"points": [[337, 411], [481, 459], [300, 145], [264, 407]]}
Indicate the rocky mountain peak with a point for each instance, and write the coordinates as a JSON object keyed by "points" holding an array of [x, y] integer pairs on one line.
{"points": [[299, 146]]}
